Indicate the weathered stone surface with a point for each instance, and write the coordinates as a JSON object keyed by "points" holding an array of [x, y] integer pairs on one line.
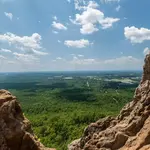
{"points": [[130, 130], [15, 129]]}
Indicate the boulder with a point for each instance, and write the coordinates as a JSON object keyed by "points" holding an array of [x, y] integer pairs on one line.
{"points": [[15, 128]]}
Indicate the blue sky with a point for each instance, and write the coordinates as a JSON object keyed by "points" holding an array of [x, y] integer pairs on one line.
{"points": [[64, 35]]}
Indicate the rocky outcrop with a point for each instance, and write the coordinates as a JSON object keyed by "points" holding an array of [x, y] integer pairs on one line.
{"points": [[15, 129], [130, 130]]}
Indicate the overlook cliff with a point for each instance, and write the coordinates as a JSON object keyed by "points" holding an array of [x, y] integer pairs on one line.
{"points": [[130, 130], [15, 129]]}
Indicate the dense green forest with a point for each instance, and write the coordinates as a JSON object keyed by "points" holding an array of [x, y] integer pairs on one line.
{"points": [[59, 109]]}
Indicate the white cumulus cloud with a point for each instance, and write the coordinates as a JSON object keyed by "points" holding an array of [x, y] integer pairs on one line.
{"points": [[9, 15], [118, 63], [108, 22], [69, 1], [109, 1], [55, 18], [5, 50], [77, 43], [137, 35], [88, 28], [25, 58], [84, 61], [35, 52], [59, 26], [2, 57], [55, 32], [91, 17], [80, 55], [59, 58], [122, 60], [30, 42], [30, 46], [118, 8]]}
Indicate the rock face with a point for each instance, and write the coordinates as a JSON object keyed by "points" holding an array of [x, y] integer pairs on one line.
{"points": [[15, 129], [130, 130]]}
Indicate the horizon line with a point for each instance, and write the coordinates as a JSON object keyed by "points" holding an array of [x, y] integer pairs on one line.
{"points": [[74, 71]]}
